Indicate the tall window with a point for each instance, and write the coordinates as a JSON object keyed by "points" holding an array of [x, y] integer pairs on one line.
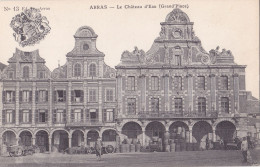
{"points": [[155, 104], [42, 96], [26, 96], [42, 116], [26, 117], [201, 82], [109, 95], [92, 70], [131, 105], [202, 106], [224, 104], [77, 96], [9, 96], [154, 83], [59, 116], [9, 116], [177, 82], [109, 116], [77, 115], [178, 105], [92, 95], [77, 70], [26, 72], [41, 74], [60, 96], [224, 83], [178, 60], [131, 83]]}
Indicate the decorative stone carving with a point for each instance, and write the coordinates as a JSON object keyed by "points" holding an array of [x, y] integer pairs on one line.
{"points": [[108, 71], [178, 16]]}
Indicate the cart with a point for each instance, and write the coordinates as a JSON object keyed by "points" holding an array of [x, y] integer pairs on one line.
{"points": [[15, 150]]}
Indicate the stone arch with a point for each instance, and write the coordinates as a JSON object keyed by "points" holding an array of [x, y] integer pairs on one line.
{"points": [[155, 130], [16, 135], [60, 139], [109, 134], [221, 120], [45, 130], [138, 122], [132, 130], [9, 137], [51, 133], [226, 130], [201, 130], [77, 137], [179, 129], [92, 136], [77, 129], [42, 139], [26, 136], [19, 132]]}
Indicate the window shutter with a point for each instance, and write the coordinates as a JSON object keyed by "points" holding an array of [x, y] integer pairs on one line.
{"points": [[13, 96], [13, 113], [54, 116], [3, 116], [36, 116], [97, 114], [30, 116], [64, 95], [64, 115], [46, 115], [20, 116], [81, 115], [114, 114], [55, 96], [81, 96], [104, 115], [46, 95], [72, 116], [36, 96], [20, 96], [3, 98], [72, 96], [30, 97], [87, 113]]}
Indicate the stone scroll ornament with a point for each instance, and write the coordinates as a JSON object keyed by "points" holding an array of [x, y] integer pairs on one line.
{"points": [[30, 27]]}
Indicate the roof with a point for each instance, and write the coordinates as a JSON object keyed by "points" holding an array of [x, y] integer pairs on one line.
{"points": [[2, 66]]}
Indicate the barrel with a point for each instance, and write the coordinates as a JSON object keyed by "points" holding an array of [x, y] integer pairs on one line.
{"points": [[132, 148], [172, 147], [129, 141], [137, 147], [177, 147], [167, 148], [124, 148], [183, 146]]}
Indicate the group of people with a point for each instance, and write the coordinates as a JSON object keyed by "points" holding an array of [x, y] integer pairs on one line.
{"points": [[246, 145]]}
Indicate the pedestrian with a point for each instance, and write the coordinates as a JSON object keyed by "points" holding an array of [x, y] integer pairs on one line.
{"points": [[244, 149], [98, 148]]}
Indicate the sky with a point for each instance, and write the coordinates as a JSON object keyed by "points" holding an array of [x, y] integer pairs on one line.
{"points": [[229, 24]]}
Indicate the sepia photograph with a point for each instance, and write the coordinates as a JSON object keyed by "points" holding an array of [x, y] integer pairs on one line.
{"points": [[129, 83]]}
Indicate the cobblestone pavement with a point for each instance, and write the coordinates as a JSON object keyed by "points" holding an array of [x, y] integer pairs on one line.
{"points": [[155, 159]]}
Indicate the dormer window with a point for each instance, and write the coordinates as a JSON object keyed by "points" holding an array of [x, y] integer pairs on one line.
{"points": [[92, 70], [85, 47], [26, 72], [77, 70]]}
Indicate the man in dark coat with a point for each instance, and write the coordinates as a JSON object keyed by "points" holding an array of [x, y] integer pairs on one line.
{"points": [[98, 148]]}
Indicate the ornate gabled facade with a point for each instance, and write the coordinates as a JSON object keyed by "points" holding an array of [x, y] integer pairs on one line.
{"points": [[178, 87], [176, 91]]}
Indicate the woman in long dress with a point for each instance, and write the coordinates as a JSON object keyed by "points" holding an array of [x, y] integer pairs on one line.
{"points": [[98, 148]]}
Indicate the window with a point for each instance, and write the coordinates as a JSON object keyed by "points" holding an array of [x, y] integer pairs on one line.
{"points": [[109, 117], [201, 82], [131, 105], [60, 96], [11, 75], [85, 47], [177, 82], [9, 96], [178, 60], [41, 96], [41, 74], [155, 104], [26, 96], [59, 116], [9, 116], [77, 96], [131, 83], [93, 115], [26, 117], [26, 72], [109, 95], [92, 70], [178, 105], [224, 83], [42, 116], [92, 95], [154, 83], [224, 104], [202, 106], [77, 70], [77, 115]]}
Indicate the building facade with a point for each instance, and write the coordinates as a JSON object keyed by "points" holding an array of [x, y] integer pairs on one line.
{"points": [[175, 88]]}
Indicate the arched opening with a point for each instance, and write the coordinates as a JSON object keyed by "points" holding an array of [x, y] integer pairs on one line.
{"points": [[9, 138], [226, 131], [77, 138], [60, 140], [179, 130], [200, 132], [92, 137], [155, 130], [42, 140], [26, 138], [132, 131], [109, 135], [77, 70]]}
